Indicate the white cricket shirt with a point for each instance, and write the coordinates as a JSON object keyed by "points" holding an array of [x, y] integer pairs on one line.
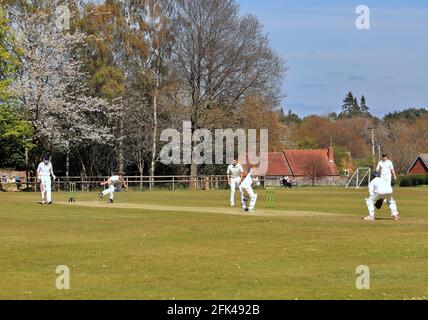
{"points": [[235, 171], [248, 181], [379, 186], [45, 170], [114, 179], [385, 168]]}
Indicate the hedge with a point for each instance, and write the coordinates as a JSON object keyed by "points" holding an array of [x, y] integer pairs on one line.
{"points": [[413, 180]]}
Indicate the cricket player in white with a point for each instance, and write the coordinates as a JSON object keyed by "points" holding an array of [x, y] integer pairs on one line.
{"points": [[44, 172], [112, 182], [234, 176], [246, 189], [386, 169], [380, 190]]}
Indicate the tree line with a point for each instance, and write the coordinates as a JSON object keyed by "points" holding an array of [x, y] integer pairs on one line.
{"points": [[97, 94], [400, 134]]}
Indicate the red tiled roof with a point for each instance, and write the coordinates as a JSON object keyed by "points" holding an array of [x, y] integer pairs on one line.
{"points": [[277, 165], [300, 162]]}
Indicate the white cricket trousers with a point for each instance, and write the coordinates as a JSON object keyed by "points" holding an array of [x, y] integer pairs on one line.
{"points": [[234, 182], [248, 192], [109, 190], [371, 201], [46, 188]]}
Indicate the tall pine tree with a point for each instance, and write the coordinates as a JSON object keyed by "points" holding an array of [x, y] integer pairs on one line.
{"points": [[363, 106], [348, 103], [351, 108]]}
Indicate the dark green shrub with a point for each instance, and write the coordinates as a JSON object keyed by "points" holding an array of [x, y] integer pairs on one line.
{"points": [[404, 182], [420, 180], [413, 180]]}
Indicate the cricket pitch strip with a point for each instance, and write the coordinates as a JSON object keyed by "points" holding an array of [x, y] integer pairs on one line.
{"points": [[165, 208]]}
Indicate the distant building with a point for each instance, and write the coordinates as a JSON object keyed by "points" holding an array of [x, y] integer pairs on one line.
{"points": [[304, 167], [420, 165]]}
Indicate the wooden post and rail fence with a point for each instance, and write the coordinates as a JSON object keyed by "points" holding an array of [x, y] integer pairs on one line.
{"points": [[137, 183]]}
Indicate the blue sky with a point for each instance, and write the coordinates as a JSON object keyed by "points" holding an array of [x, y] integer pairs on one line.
{"points": [[328, 56]]}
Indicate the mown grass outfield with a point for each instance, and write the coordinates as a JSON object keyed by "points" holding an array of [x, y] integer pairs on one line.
{"points": [[190, 245]]}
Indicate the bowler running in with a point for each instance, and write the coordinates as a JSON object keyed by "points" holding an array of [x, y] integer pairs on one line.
{"points": [[112, 182]]}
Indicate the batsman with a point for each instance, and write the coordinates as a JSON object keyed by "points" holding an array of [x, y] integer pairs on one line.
{"points": [[44, 173], [246, 189], [380, 190]]}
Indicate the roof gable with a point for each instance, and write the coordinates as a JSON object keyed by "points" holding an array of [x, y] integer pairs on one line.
{"points": [[424, 159], [277, 165], [301, 162]]}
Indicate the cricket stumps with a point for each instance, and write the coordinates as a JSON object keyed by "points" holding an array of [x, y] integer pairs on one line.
{"points": [[72, 192], [270, 200]]}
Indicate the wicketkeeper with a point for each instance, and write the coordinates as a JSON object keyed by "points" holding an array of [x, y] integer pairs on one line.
{"points": [[380, 190]]}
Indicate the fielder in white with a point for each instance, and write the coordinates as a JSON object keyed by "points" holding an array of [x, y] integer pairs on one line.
{"points": [[246, 189], [386, 169], [380, 190], [112, 182], [44, 172], [234, 176]]}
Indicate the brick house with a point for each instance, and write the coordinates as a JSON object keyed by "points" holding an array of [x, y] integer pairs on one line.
{"points": [[305, 167], [420, 165]]}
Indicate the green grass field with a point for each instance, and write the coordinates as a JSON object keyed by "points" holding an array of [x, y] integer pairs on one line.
{"points": [[191, 245]]}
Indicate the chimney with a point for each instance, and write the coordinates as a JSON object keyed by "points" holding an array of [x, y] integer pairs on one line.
{"points": [[330, 154]]}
